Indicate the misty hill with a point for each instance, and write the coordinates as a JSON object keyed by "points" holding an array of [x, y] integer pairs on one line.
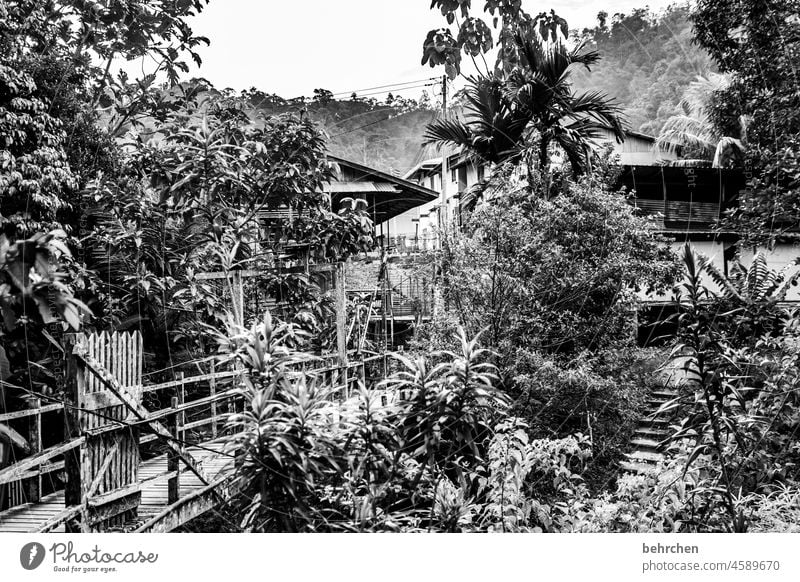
{"points": [[647, 61], [385, 135]]}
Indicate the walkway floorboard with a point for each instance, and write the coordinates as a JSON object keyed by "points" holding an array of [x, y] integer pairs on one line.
{"points": [[32, 517]]}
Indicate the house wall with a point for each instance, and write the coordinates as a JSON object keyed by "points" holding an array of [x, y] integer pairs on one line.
{"points": [[711, 249], [782, 256], [633, 151], [428, 214], [637, 151]]}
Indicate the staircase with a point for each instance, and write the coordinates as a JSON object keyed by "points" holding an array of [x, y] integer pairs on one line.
{"points": [[650, 434]]}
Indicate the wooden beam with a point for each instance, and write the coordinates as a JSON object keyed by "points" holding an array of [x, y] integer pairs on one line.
{"points": [[98, 477], [96, 515], [16, 471], [183, 510], [59, 518], [30, 412], [192, 380], [44, 469], [107, 498]]}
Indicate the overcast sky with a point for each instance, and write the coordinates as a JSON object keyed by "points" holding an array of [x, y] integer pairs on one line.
{"points": [[290, 47]]}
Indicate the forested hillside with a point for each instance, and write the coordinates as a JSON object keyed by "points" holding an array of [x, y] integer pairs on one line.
{"points": [[385, 134], [647, 61], [384, 137]]}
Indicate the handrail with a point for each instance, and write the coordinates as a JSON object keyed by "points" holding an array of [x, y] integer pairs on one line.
{"points": [[191, 380], [167, 511], [30, 412], [15, 471]]}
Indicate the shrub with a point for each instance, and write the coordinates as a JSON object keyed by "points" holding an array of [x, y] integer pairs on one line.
{"points": [[601, 396], [554, 274]]}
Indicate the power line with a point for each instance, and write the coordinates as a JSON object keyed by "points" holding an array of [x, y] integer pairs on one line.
{"points": [[386, 86], [361, 127], [366, 124], [391, 90]]}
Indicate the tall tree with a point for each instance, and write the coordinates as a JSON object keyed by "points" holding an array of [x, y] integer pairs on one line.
{"points": [[536, 95], [475, 38], [694, 129], [757, 42]]}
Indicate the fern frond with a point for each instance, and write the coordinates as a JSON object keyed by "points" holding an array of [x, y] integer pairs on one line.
{"points": [[783, 289], [728, 290], [756, 275]]}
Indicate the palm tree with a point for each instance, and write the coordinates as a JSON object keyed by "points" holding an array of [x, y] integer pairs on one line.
{"points": [[501, 109], [693, 128], [492, 127], [541, 85]]}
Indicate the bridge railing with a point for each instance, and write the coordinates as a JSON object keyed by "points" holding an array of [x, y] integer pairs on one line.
{"points": [[105, 425]]}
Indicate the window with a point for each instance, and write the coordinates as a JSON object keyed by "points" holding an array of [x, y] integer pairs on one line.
{"points": [[453, 175]]}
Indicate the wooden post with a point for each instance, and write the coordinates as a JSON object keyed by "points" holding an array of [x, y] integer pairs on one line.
{"points": [[341, 320], [384, 307], [74, 488], [237, 298], [34, 485], [390, 333], [212, 386], [425, 305], [173, 460], [181, 394]]}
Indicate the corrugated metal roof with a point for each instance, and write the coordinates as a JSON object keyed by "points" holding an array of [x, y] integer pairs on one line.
{"points": [[360, 187]]}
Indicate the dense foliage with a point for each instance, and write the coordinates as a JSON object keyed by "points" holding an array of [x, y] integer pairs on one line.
{"points": [[558, 274], [511, 409], [144, 186], [757, 43]]}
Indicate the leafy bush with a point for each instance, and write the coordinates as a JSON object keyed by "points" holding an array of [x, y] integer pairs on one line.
{"points": [[602, 396], [739, 397], [553, 274], [375, 467]]}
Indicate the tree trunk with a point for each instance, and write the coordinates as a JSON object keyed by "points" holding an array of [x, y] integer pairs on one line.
{"points": [[544, 160]]}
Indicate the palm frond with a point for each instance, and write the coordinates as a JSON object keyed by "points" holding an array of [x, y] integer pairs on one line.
{"points": [[599, 107], [690, 131], [728, 289], [448, 131]]}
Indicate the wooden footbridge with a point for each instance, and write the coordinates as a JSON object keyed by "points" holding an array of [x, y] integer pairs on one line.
{"points": [[134, 457]]}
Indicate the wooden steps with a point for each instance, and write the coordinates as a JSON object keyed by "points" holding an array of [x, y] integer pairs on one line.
{"points": [[638, 468], [646, 444], [650, 434]]}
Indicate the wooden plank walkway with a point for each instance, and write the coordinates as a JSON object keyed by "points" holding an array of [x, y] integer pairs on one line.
{"points": [[33, 517]]}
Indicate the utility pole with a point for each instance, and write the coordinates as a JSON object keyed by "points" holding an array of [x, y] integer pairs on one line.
{"points": [[444, 213]]}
